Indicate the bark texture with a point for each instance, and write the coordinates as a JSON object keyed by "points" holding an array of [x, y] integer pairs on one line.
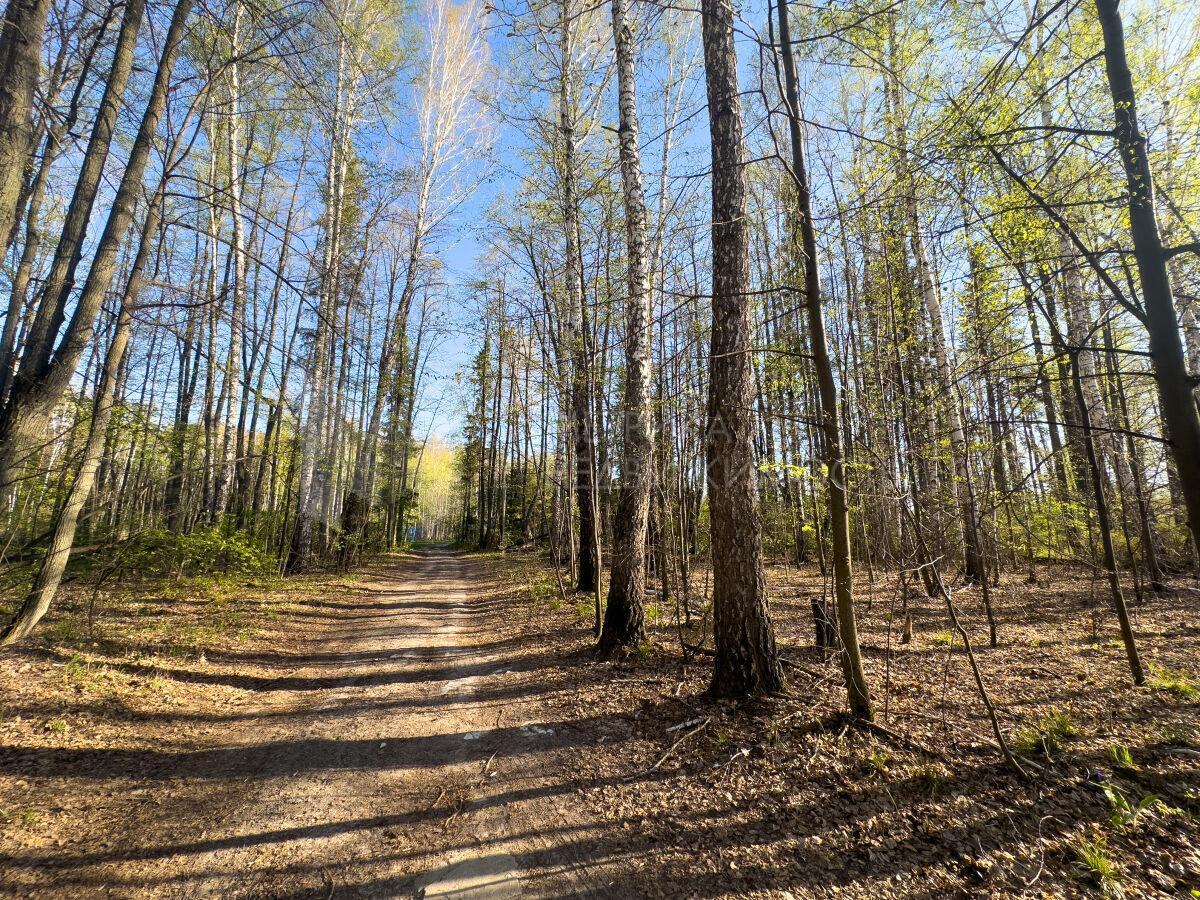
{"points": [[624, 616], [746, 661], [20, 59], [45, 371], [858, 693], [575, 316], [1181, 418]]}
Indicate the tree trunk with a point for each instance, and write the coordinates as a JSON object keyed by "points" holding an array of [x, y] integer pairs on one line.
{"points": [[576, 321], [624, 616], [746, 659], [233, 357], [1181, 419], [20, 62], [44, 374], [49, 576], [858, 692]]}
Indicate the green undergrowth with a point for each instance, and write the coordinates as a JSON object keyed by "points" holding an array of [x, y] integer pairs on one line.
{"points": [[165, 593], [1048, 736], [1175, 682]]}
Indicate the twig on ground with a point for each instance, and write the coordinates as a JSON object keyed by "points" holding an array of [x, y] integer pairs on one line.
{"points": [[675, 746], [902, 739]]}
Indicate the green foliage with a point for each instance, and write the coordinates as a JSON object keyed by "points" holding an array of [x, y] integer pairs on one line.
{"points": [[1122, 758], [1125, 812], [1048, 736], [879, 762], [541, 587], [1176, 682], [1092, 861], [929, 780], [22, 818], [1046, 530], [207, 551], [76, 670]]}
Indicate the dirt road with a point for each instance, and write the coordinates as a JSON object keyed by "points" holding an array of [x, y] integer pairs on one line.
{"points": [[400, 752]]}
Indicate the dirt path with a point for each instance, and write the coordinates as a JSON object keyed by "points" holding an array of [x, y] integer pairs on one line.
{"points": [[436, 726], [402, 751]]}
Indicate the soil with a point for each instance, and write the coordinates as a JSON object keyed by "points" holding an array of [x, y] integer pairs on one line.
{"points": [[382, 739], [437, 726]]}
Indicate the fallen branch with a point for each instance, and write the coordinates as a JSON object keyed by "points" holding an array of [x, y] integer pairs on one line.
{"points": [[675, 746]]}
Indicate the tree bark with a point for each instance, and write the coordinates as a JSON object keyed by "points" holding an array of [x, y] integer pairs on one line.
{"points": [[576, 321], [1181, 419], [858, 692], [624, 616], [44, 373], [49, 576], [21, 39], [746, 659]]}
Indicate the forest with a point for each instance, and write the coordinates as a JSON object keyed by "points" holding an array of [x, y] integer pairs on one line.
{"points": [[540, 448]]}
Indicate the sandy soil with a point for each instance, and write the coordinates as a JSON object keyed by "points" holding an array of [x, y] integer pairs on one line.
{"points": [[437, 726], [395, 748]]}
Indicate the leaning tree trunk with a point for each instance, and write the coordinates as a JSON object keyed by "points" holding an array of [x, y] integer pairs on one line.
{"points": [[45, 373], [62, 538], [20, 61], [1181, 419], [858, 692], [624, 617], [746, 660]]}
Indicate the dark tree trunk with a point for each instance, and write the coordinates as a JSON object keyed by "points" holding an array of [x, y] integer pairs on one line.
{"points": [[1181, 419], [20, 61], [746, 660], [44, 372], [858, 693]]}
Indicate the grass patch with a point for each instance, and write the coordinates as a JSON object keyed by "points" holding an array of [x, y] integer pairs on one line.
{"points": [[1179, 683], [1048, 736], [930, 781], [1122, 758], [1093, 863], [879, 763], [20, 818]]}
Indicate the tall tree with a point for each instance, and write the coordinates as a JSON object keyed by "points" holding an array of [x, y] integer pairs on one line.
{"points": [[99, 280], [21, 36], [746, 661], [837, 474], [624, 615], [575, 315], [1181, 416], [46, 367]]}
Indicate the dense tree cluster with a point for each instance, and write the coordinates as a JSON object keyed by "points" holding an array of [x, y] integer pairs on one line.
{"points": [[221, 271], [922, 297]]}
